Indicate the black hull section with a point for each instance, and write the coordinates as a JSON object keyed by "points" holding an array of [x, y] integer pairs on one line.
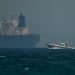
{"points": [[19, 41]]}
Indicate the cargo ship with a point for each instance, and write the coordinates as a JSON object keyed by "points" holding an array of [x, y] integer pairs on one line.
{"points": [[15, 34]]}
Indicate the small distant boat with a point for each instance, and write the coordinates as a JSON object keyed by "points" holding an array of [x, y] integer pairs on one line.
{"points": [[59, 46]]}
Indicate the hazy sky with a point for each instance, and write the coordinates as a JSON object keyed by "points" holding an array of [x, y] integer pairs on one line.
{"points": [[54, 20]]}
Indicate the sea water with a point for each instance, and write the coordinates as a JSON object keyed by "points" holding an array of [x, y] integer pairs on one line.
{"points": [[37, 61]]}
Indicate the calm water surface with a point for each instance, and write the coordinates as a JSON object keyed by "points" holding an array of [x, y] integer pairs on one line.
{"points": [[37, 61]]}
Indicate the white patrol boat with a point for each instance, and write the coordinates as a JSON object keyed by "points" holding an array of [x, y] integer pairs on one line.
{"points": [[59, 46]]}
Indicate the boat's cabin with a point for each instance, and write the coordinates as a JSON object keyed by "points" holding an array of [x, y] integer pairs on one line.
{"points": [[63, 44]]}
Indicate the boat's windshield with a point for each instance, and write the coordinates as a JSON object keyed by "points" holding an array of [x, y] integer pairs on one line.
{"points": [[63, 44]]}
